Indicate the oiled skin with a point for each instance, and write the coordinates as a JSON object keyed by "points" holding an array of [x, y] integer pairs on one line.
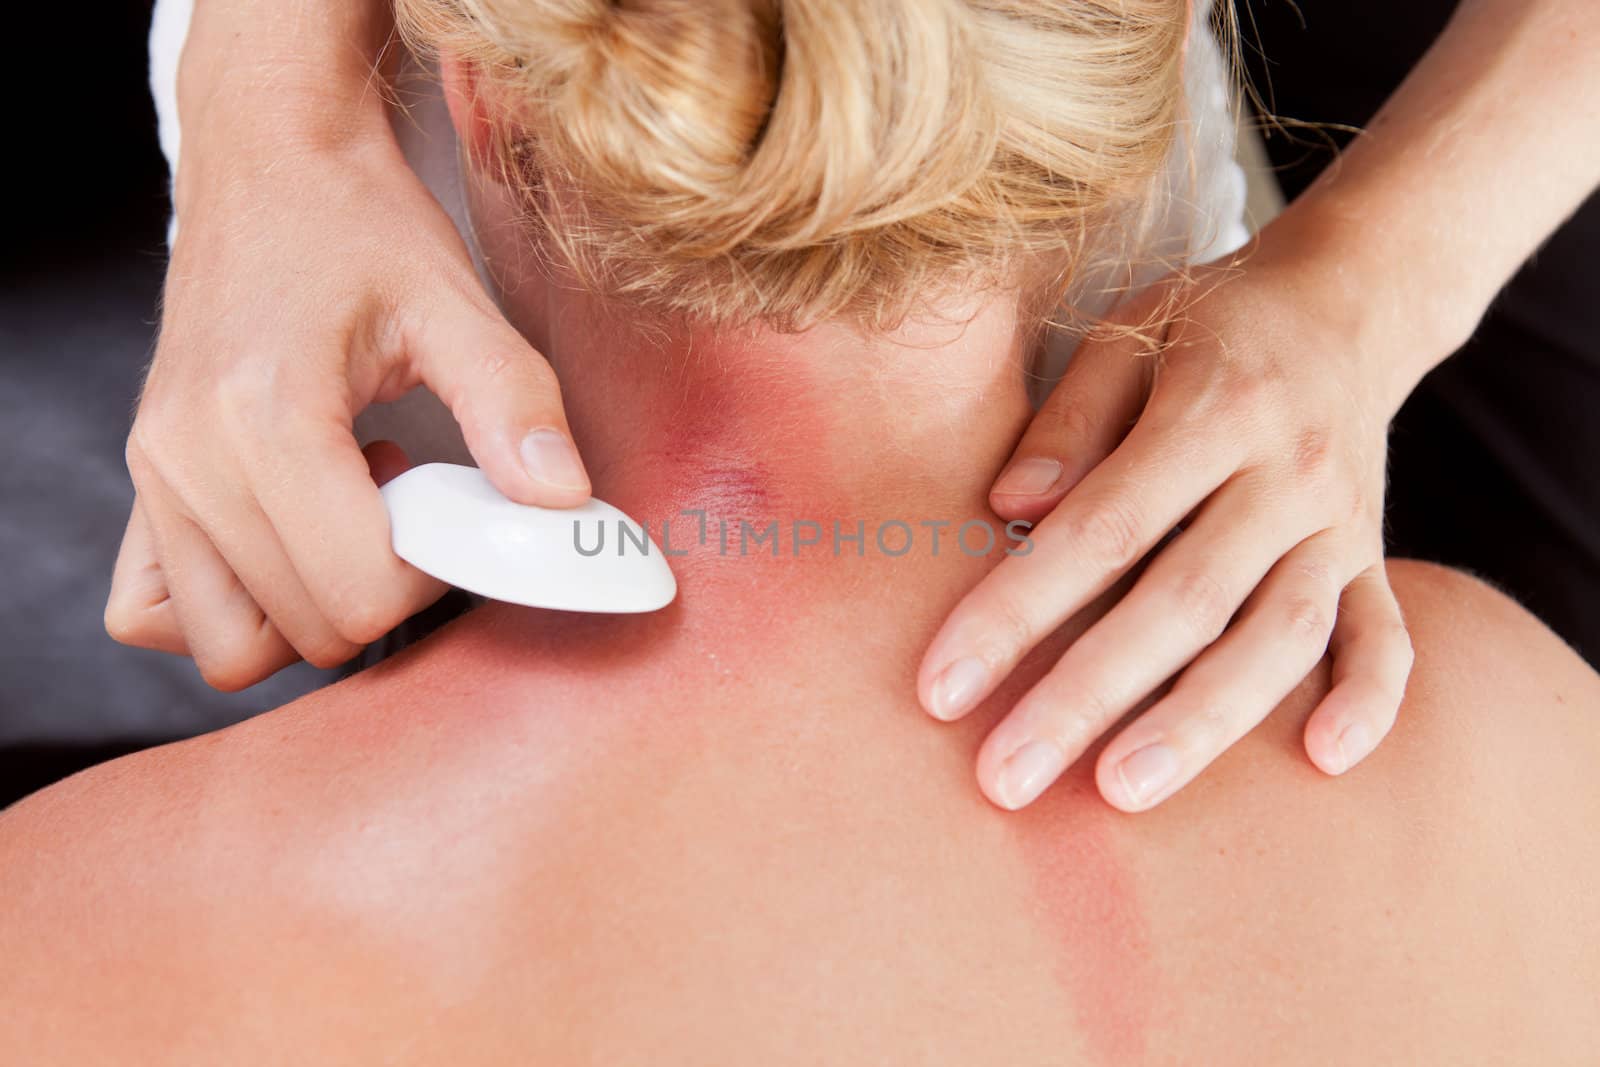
{"points": [[528, 842]]}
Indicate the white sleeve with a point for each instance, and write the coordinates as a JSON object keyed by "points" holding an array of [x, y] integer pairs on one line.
{"points": [[1202, 199], [1198, 203], [168, 29], [1219, 189]]}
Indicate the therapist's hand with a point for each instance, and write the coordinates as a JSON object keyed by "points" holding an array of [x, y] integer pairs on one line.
{"points": [[1252, 419], [302, 288]]}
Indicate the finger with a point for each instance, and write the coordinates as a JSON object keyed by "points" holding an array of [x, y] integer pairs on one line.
{"points": [[327, 514], [249, 544], [1094, 536], [1278, 638], [1085, 417], [232, 641], [1371, 662], [508, 402], [1178, 607], [242, 535], [139, 608]]}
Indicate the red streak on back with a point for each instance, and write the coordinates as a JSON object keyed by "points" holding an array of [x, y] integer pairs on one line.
{"points": [[1088, 901]]}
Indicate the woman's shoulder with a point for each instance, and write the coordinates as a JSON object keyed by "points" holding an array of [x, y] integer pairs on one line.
{"points": [[1477, 647]]}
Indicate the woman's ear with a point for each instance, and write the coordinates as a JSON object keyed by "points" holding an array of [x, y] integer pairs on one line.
{"points": [[467, 111]]}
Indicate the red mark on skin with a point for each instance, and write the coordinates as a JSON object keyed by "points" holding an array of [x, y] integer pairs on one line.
{"points": [[724, 488], [738, 456], [1089, 901], [736, 427]]}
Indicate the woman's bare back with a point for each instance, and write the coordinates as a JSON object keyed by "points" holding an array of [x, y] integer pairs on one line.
{"points": [[639, 841]]}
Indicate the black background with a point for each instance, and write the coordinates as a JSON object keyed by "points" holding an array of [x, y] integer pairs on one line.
{"points": [[81, 264]]}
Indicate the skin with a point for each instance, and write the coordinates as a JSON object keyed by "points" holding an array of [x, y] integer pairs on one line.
{"points": [[1259, 415], [724, 832], [1239, 424]]}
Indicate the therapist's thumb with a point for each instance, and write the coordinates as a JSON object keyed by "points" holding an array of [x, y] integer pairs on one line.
{"points": [[508, 402]]}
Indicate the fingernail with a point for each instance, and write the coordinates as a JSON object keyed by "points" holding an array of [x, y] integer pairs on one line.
{"points": [[1028, 771], [958, 687], [1030, 477], [1147, 772], [550, 457], [1354, 745]]}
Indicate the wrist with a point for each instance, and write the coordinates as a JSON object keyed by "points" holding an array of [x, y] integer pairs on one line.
{"points": [[256, 89], [227, 148], [1405, 311]]}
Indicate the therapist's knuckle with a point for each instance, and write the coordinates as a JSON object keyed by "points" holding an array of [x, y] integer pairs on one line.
{"points": [[231, 661], [1064, 421], [1307, 618], [1208, 728], [1092, 710], [495, 366], [156, 451], [328, 651], [135, 454], [506, 362], [1358, 505], [1402, 648], [227, 676], [123, 621], [245, 400], [1009, 628], [1107, 531], [1312, 457], [1078, 716], [541, 381], [366, 606], [1173, 407], [1316, 575], [1235, 398], [361, 620], [1202, 603], [1393, 645]]}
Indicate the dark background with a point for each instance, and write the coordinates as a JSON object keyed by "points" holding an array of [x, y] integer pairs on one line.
{"points": [[1493, 463], [80, 281]]}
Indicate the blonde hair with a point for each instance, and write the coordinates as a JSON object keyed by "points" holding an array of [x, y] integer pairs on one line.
{"points": [[790, 161]]}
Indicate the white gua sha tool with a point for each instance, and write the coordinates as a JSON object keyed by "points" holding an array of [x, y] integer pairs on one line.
{"points": [[448, 521]]}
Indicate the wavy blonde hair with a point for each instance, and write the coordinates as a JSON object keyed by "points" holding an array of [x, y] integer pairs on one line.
{"points": [[791, 161]]}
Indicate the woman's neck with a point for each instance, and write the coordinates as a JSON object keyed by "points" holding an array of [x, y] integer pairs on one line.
{"points": [[818, 426], [844, 441], [804, 485]]}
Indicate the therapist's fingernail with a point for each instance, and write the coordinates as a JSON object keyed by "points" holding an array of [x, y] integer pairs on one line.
{"points": [[551, 458], [1147, 772], [1028, 771], [1030, 477], [1355, 743], [958, 687]]}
